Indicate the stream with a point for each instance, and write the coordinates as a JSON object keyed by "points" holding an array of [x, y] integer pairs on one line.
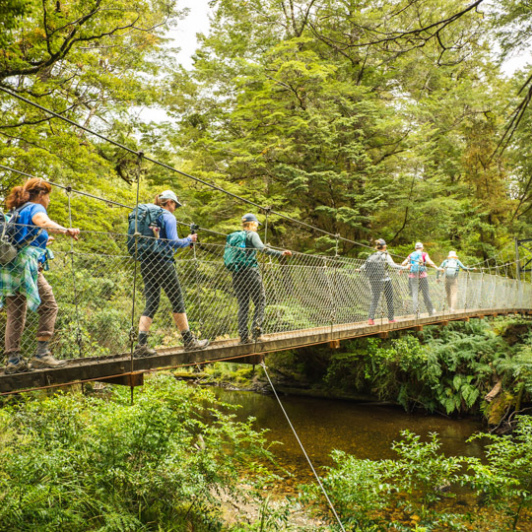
{"points": [[326, 424]]}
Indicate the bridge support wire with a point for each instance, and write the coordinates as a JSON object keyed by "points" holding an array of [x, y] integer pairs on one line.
{"points": [[132, 330], [79, 337], [329, 502]]}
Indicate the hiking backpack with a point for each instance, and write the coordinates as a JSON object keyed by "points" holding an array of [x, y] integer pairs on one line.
{"points": [[376, 266], [12, 237], [236, 256], [451, 269], [147, 245], [417, 262]]}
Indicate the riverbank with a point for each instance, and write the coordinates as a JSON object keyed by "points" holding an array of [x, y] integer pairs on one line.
{"points": [[185, 457], [479, 368]]}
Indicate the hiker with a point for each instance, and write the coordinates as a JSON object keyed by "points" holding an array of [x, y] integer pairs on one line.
{"points": [[379, 279], [418, 261], [451, 267], [157, 267], [247, 280], [22, 283]]}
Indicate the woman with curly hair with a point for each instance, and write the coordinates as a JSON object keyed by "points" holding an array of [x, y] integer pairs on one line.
{"points": [[22, 283]]}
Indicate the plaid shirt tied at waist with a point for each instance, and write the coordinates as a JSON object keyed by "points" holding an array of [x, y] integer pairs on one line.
{"points": [[20, 277]]}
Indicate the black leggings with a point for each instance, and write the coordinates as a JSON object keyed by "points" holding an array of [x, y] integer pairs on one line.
{"points": [[377, 287], [159, 274]]}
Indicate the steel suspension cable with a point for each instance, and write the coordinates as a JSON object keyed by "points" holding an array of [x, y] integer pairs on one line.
{"points": [[267, 210], [79, 338], [132, 330], [329, 502], [184, 174], [98, 198], [67, 188]]}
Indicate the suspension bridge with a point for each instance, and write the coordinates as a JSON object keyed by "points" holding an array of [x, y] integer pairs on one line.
{"points": [[310, 300]]}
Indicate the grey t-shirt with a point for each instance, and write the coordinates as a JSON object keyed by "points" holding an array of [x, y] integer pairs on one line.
{"points": [[254, 241]]}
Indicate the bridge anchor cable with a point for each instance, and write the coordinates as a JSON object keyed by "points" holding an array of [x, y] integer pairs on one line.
{"points": [[329, 502]]}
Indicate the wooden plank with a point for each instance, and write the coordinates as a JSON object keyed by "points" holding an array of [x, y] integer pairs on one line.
{"points": [[89, 369]]}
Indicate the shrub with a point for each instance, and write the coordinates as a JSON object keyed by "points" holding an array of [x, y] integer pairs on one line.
{"points": [[70, 462]]}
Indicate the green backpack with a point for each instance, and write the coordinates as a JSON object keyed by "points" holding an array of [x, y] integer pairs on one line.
{"points": [[236, 256]]}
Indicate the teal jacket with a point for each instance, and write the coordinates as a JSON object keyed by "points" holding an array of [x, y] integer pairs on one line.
{"points": [[459, 265]]}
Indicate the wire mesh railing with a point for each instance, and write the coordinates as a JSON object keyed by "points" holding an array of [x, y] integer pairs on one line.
{"points": [[97, 295]]}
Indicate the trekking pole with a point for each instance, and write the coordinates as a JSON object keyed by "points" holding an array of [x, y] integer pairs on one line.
{"points": [[194, 231]]}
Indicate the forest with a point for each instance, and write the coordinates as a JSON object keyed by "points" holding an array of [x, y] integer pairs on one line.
{"points": [[394, 119]]}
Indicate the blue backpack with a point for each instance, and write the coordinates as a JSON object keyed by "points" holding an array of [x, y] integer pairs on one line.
{"points": [[417, 262], [146, 245], [236, 256]]}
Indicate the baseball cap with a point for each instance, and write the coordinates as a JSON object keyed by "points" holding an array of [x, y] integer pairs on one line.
{"points": [[169, 195], [419, 245], [452, 255], [250, 218], [380, 242]]}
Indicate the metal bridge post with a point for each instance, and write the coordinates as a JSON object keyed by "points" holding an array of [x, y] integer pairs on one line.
{"points": [[332, 306]]}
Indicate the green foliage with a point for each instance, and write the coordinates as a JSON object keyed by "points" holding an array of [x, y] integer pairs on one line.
{"points": [[504, 479], [451, 369], [421, 470], [415, 491], [359, 489], [70, 460]]}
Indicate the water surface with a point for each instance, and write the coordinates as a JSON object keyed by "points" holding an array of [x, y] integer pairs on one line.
{"points": [[361, 430]]}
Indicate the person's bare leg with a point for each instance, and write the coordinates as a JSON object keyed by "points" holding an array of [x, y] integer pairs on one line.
{"points": [[190, 341], [145, 324], [181, 321]]}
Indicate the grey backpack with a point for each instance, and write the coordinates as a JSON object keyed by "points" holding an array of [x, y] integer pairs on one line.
{"points": [[451, 269], [8, 251], [13, 237], [376, 266]]}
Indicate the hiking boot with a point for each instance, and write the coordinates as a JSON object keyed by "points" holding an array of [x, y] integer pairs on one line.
{"points": [[194, 344], [143, 351], [46, 361], [19, 365], [244, 341], [371, 322]]}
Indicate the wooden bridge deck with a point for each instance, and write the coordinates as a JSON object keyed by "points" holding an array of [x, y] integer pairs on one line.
{"points": [[120, 366]]}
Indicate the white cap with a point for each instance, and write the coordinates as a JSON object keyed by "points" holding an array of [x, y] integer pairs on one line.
{"points": [[419, 245], [168, 194], [452, 255]]}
